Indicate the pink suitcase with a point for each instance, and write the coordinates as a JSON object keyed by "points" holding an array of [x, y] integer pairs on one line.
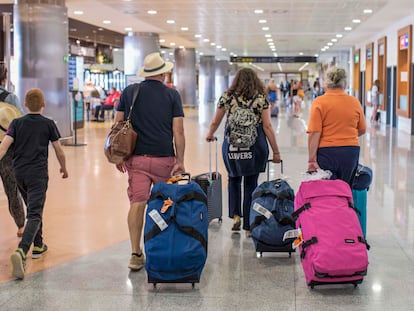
{"points": [[334, 250]]}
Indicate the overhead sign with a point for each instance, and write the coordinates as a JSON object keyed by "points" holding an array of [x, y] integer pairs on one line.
{"points": [[279, 59]]}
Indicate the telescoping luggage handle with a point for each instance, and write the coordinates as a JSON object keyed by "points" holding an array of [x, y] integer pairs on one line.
{"points": [[209, 159], [268, 168]]}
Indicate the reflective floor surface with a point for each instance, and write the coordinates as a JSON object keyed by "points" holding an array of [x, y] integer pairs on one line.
{"points": [[85, 229]]}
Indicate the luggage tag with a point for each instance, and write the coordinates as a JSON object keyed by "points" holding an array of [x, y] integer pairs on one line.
{"points": [[261, 210], [159, 221], [297, 234]]}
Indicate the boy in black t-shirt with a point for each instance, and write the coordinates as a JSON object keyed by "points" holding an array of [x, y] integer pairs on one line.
{"points": [[30, 136]]}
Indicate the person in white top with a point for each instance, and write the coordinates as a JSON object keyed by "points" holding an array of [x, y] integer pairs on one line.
{"points": [[375, 92]]}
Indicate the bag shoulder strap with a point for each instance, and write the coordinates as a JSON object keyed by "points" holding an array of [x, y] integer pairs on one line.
{"points": [[4, 95], [134, 97]]}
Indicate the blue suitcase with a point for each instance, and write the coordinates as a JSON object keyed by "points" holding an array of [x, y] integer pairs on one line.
{"points": [[175, 233], [360, 203]]}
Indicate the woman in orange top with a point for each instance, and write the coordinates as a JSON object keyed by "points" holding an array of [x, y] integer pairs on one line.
{"points": [[336, 121]]}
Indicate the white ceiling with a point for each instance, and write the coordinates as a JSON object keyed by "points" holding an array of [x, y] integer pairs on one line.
{"points": [[296, 26]]}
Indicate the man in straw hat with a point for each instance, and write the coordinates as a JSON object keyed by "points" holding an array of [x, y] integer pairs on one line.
{"points": [[10, 109], [157, 116]]}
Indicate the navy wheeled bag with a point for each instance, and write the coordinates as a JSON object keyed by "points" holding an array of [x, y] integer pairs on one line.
{"points": [[175, 233], [212, 186], [271, 216]]}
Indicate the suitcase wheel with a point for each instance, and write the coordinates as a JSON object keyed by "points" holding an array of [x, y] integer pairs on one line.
{"points": [[259, 254], [290, 254], [220, 220], [192, 285], [154, 285]]}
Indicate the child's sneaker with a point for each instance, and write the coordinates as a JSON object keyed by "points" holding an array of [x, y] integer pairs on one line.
{"points": [[18, 261], [37, 251], [136, 262]]}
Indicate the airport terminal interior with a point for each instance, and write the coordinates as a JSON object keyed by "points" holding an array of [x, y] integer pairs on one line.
{"points": [[86, 267], [85, 216]]}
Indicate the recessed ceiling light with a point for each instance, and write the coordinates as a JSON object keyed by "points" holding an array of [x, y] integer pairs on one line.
{"points": [[367, 11], [224, 49], [184, 28], [172, 43], [356, 21], [201, 53], [258, 11], [268, 35], [262, 21], [348, 28], [152, 12], [219, 46], [197, 36], [330, 43], [106, 21], [206, 40], [339, 35], [301, 53], [334, 40], [316, 55], [78, 12], [212, 44], [170, 21], [128, 28], [265, 28], [162, 40], [269, 40]]}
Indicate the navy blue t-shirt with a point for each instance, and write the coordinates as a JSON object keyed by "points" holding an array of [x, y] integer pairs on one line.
{"points": [[32, 134], [152, 116]]}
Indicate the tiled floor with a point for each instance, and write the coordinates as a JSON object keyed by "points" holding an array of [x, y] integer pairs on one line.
{"points": [[85, 228]]}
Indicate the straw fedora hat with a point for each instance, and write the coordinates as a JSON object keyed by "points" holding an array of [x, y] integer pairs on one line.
{"points": [[154, 65], [7, 114]]}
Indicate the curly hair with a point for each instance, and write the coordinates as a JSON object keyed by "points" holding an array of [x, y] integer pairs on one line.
{"points": [[335, 78], [246, 84]]}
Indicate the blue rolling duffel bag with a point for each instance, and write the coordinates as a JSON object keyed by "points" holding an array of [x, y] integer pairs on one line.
{"points": [[271, 216], [175, 233]]}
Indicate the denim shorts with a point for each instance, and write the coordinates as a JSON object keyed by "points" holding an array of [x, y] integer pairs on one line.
{"points": [[143, 172]]}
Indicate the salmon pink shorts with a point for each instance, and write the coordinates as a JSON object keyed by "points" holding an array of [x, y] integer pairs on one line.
{"points": [[143, 172]]}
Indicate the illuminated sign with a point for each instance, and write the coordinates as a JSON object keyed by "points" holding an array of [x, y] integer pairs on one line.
{"points": [[280, 59], [404, 42]]}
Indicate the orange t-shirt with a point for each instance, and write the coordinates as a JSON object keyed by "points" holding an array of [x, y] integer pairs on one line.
{"points": [[338, 117]]}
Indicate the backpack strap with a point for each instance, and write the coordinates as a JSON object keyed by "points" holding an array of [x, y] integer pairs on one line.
{"points": [[3, 95]]}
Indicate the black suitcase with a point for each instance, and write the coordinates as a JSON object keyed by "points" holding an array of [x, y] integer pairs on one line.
{"points": [[212, 185], [262, 247]]}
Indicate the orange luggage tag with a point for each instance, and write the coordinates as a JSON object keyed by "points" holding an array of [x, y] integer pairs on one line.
{"points": [[166, 205]]}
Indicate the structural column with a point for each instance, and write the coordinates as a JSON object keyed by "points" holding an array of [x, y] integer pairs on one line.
{"points": [[136, 47], [40, 50], [222, 77], [207, 79], [185, 75]]}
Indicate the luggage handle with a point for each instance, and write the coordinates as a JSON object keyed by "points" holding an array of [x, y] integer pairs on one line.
{"points": [[209, 158], [177, 178], [268, 168]]}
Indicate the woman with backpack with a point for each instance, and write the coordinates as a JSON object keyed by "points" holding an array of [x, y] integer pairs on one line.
{"points": [[245, 147]]}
